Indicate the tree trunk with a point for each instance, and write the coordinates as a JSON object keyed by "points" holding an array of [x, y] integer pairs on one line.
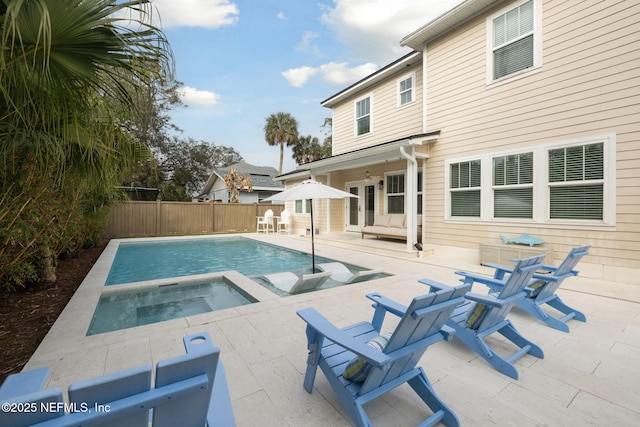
{"points": [[48, 269], [281, 157]]}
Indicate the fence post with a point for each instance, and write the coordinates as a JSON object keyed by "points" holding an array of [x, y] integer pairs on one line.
{"points": [[158, 217]]}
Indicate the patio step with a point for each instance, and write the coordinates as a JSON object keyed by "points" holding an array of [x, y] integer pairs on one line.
{"points": [[390, 248]]}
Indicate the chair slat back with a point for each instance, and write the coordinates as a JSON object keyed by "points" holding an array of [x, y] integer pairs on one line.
{"points": [[564, 270], [191, 411], [521, 276], [516, 282], [424, 318], [112, 387]]}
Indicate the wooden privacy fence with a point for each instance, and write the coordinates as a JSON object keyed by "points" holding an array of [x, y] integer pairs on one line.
{"points": [[136, 218]]}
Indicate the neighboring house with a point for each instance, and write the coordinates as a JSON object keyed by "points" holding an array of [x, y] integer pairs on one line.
{"points": [[509, 117], [262, 180]]}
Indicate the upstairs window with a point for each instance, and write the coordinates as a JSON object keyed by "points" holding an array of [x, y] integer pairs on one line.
{"points": [[363, 116], [464, 184], [576, 182], [405, 90], [514, 40]]}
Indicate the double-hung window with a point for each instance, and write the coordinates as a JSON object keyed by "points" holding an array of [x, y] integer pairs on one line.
{"points": [[514, 40], [405, 90], [303, 206], [513, 186], [576, 182], [464, 184], [363, 116], [395, 194]]}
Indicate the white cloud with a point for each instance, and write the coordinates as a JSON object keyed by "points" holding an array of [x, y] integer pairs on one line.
{"points": [[332, 72], [299, 76], [197, 13], [200, 98], [340, 73], [372, 29], [281, 15], [307, 45]]}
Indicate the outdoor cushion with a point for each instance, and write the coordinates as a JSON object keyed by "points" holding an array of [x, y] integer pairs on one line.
{"points": [[476, 315], [397, 221], [358, 368], [381, 221], [537, 287]]}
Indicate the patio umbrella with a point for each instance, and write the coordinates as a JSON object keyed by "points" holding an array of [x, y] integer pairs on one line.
{"points": [[310, 189]]}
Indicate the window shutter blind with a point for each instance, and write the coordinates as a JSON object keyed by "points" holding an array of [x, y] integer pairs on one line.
{"points": [[577, 202], [513, 203], [465, 203]]}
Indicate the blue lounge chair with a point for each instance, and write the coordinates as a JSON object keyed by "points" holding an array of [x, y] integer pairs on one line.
{"points": [[339, 351], [341, 273], [289, 282], [542, 290], [190, 390], [484, 315]]}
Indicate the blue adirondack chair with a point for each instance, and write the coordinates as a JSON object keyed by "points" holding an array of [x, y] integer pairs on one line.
{"points": [[421, 325], [190, 390], [483, 315], [543, 287]]}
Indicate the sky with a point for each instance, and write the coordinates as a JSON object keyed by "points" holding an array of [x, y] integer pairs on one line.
{"points": [[242, 60]]}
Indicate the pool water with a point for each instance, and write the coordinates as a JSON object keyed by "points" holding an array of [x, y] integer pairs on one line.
{"points": [[141, 261], [121, 310]]}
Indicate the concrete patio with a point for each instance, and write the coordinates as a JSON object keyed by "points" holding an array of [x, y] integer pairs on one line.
{"points": [[590, 376]]}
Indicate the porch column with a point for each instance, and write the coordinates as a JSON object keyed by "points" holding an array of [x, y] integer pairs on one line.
{"points": [[411, 187]]}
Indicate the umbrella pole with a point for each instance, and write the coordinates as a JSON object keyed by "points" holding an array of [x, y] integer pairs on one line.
{"points": [[313, 249]]}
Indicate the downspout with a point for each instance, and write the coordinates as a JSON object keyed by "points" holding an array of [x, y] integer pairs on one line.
{"points": [[410, 205]]}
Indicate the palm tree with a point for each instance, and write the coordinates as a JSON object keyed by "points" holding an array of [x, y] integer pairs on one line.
{"points": [[305, 148], [281, 128], [68, 72]]}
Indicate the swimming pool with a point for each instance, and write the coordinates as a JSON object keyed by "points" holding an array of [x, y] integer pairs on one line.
{"points": [[160, 279], [126, 309], [140, 261]]}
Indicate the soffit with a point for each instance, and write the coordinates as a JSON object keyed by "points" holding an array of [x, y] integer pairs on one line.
{"points": [[386, 152], [446, 22]]}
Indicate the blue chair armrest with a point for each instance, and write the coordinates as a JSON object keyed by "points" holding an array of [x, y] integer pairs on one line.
{"points": [[434, 284], [388, 304], [24, 383], [500, 270], [447, 332], [485, 280], [486, 299], [324, 328]]}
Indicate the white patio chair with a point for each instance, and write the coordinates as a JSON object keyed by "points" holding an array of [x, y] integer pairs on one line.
{"points": [[265, 222], [284, 223]]}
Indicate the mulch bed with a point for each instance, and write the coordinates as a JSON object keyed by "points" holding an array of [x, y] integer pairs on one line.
{"points": [[27, 316]]}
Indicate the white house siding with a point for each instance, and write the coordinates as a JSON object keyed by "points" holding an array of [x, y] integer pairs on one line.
{"points": [[589, 84], [388, 121]]}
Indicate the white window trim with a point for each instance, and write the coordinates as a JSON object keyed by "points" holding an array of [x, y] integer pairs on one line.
{"points": [[411, 76], [537, 44], [304, 207], [541, 193], [355, 117], [385, 194]]}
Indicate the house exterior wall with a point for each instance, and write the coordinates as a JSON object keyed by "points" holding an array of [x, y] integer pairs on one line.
{"points": [[587, 88], [389, 121]]}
